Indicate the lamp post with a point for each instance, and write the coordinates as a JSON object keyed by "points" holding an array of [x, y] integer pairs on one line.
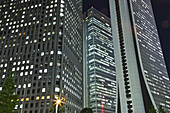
{"points": [[58, 101]]}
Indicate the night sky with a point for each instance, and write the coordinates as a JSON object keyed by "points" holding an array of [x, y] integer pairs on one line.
{"points": [[161, 10]]}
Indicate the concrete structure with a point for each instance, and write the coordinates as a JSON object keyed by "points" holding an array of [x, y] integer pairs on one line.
{"points": [[41, 42], [99, 66], [142, 77]]}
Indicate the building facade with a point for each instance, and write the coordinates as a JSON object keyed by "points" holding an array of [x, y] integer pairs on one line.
{"points": [[142, 76], [99, 66], [41, 43]]}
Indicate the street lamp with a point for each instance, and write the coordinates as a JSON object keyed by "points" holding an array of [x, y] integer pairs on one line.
{"points": [[58, 101], [56, 105]]}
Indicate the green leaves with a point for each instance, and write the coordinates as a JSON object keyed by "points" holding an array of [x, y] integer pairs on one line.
{"points": [[7, 98], [61, 108], [160, 110], [153, 110], [86, 110]]}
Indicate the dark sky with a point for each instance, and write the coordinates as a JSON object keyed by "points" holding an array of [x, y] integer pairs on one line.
{"points": [[161, 10]]}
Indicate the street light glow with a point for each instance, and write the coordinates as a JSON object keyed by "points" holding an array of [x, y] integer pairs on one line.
{"points": [[58, 101]]}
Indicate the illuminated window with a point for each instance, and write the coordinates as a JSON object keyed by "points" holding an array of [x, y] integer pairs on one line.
{"points": [[52, 52], [57, 89], [40, 71], [21, 74], [18, 68], [37, 98], [43, 97], [28, 61], [51, 63], [43, 89], [48, 97], [13, 69], [27, 99], [22, 68], [29, 85], [24, 86], [19, 63], [22, 99], [45, 70], [3, 76], [31, 66]]}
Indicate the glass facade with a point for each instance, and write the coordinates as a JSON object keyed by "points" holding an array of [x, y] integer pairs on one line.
{"points": [[151, 53], [100, 66], [41, 43], [141, 70]]}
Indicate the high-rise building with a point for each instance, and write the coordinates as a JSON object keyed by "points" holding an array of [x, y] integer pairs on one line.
{"points": [[99, 66], [41, 43], [142, 77]]}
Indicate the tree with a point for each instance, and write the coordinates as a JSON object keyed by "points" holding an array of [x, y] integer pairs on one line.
{"points": [[86, 110], [8, 100], [161, 110], [153, 110], [61, 108]]}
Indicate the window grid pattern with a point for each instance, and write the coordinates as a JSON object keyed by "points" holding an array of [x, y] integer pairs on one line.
{"points": [[100, 63], [32, 47], [151, 53]]}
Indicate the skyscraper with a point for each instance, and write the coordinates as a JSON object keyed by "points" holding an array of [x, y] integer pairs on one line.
{"points": [[142, 76], [41, 42], [99, 66]]}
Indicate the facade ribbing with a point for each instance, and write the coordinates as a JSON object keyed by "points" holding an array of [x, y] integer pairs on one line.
{"points": [[141, 72]]}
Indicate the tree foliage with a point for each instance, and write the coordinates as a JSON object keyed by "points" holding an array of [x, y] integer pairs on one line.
{"points": [[161, 110], [86, 110], [153, 110], [8, 100], [61, 108]]}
